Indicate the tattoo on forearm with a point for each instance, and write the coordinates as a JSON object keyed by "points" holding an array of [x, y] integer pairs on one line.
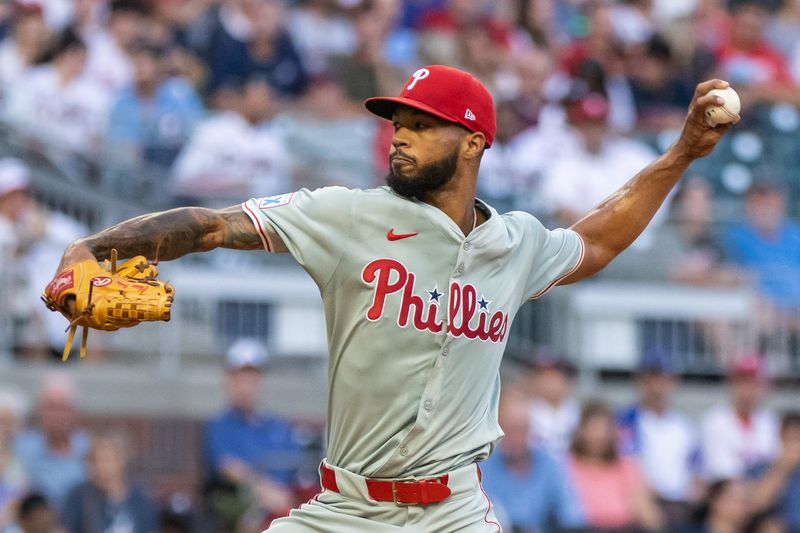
{"points": [[238, 231], [175, 233]]}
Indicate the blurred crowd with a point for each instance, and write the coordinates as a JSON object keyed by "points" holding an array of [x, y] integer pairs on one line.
{"points": [[647, 466], [228, 98], [57, 476], [565, 464], [213, 101]]}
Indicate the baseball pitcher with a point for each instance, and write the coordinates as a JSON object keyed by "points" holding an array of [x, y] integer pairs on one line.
{"points": [[420, 283]]}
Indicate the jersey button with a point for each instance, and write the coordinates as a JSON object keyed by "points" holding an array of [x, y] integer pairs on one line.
{"points": [[460, 268], [467, 246], [427, 405], [403, 451], [446, 351]]}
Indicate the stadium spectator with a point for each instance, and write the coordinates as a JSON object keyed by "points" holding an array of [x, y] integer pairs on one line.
{"points": [[53, 452], [726, 508], [531, 134], [250, 456], [748, 61], [249, 39], [152, 119], [328, 131], [543, 24], [554, 411], [56, 104], [108, 63], [107, 501], [663, 440], [13, 480], [526, 485], [765, 245], [687, 249], [38, 236], [363, 72], [35, 515], [444, 34], [783, 29], [597, 61], [321, 29], [711, 25], [740, 434], [610, 488], [88, 17], [659, 92], [235, 153], [777, 485], [26, 43], [599, 43], [594, 165]]}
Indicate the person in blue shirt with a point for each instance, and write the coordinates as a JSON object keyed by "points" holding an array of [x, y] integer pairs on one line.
{"points": [[108, 501], [153, 117], [777, 485], [53, 451], [252, 459], [767, 245], [265, 49], [528, 487]]}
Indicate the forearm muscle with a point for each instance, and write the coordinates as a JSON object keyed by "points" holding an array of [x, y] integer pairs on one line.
{"points": [[171, 234]]}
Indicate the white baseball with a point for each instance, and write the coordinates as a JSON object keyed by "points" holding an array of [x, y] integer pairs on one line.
{"points": [[725, 113]]}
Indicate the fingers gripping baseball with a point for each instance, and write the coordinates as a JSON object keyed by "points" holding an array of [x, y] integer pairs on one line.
{"points": [[108, 298], [699, 135]]}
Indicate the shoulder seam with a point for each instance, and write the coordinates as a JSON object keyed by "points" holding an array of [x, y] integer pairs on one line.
{"points": [[348, 232]]}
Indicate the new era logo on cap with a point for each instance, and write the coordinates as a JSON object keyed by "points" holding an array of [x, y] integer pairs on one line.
{"points": [[447, 93]]}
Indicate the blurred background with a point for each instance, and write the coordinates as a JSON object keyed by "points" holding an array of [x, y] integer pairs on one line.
{"points": [[659, 396]]}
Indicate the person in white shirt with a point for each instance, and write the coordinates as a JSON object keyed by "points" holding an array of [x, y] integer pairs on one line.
{"points": [[39, 236], [235, 153], [55, 105], [663, 439], [109, 63], [741, 434], [594, 165], [554, 410], [25, 44]]}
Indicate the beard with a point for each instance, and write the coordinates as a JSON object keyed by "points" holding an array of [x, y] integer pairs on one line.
{"points": [[429, 178]]}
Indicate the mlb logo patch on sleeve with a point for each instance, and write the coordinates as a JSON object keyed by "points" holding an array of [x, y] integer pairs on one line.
{"points": [[275, 201]]}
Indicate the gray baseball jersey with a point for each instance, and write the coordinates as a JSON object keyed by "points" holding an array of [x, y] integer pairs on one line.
{"points": [[417, 318]]}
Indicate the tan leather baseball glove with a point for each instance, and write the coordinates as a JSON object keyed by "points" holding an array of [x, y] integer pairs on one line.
{"points": [[108, 298]]}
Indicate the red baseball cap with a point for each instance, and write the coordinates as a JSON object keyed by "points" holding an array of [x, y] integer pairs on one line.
{"points": [[592, 107], [445, 92], [748, 365]]}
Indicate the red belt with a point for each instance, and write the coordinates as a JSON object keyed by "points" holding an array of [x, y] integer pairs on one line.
{"points": [[416, 492]]}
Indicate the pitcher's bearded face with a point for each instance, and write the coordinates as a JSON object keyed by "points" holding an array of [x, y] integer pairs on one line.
{"points": [[410, 179]]}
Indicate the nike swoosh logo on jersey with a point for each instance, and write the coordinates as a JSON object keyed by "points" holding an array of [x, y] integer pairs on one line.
{"points": [[392, 236]]}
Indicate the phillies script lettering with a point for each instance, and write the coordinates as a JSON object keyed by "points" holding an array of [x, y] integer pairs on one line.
{"points": [[465, 319]]}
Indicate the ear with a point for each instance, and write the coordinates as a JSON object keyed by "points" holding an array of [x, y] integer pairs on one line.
{"points": [[474, 145]]}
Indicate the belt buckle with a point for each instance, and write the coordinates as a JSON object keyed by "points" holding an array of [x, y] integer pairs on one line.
{"points": [[394, 495]]}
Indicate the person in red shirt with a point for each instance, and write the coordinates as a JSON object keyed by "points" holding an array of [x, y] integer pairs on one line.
{"points": [[758, 71]]}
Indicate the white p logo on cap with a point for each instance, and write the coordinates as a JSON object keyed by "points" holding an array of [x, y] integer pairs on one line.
{"points": [[421, 74]]}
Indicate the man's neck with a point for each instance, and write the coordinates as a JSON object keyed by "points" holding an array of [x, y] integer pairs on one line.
{"points": [[457, 201]]}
